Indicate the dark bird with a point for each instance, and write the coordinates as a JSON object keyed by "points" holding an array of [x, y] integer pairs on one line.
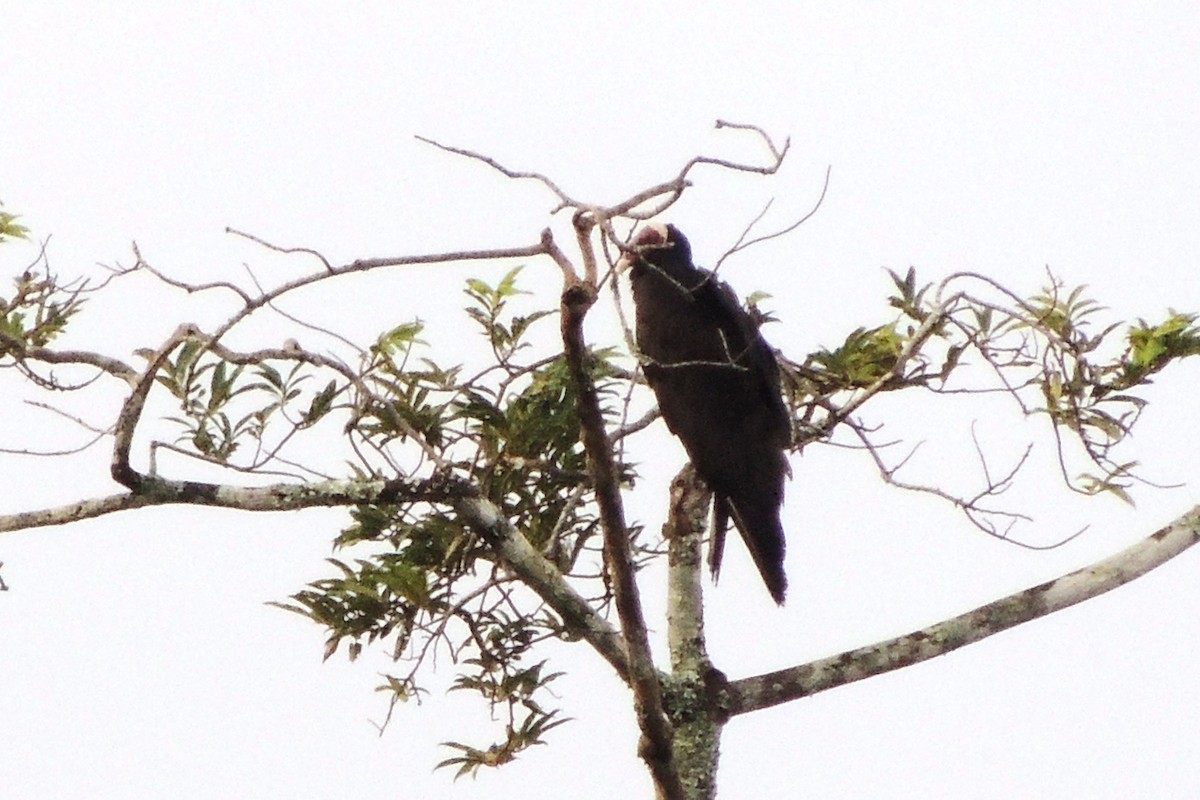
{"points": [[717, 384]]}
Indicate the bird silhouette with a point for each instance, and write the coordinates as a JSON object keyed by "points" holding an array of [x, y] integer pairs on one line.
{"points": [[717, 384]]}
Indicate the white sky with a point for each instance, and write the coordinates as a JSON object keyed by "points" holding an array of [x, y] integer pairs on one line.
{"points": [[138, 659]]}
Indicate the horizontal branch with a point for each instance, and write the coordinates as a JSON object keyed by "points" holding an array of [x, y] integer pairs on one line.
{"points": [[113, 366], [483, 516], [666, 192], [274, 497], [368, 264], [773, 688]]}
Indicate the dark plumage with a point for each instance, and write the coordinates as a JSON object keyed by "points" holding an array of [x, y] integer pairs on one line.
{"points": [[717, 385]]}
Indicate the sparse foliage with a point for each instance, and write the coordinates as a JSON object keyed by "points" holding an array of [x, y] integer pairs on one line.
{"points": [[9, 227], [484, 498]]}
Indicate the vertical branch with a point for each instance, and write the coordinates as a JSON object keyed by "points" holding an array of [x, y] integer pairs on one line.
{"points": [[584, 222], [694, 690], [131, 412], [684, 532], [655, 747]]}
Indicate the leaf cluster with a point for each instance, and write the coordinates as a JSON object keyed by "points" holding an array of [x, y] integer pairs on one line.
{"points": [[427, 584], [36, 311], [515, 691], [1152, 347], [224, 405], [866, 356], [1047, 351], [487, 307], [10, 228]]}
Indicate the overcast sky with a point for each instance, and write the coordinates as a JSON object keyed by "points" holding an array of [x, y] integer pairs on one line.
{"points": [[138, 657]]}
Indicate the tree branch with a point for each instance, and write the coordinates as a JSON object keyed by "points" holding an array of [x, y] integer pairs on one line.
{"points": [[367, 264], [153, 491], [672, 189], [482, 515], [684, 532], [793, 683], [656, 748], [131, 411], [694, 687], [742, 244], [113, 366], [523, 559]]}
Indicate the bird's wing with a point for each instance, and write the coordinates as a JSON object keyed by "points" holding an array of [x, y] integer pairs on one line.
{"points": [[748, 349]]}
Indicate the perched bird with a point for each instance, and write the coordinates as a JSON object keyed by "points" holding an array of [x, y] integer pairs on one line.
{"points": [[717, 384]]}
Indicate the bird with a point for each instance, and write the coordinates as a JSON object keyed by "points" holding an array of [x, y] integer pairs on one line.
{"points": [[717, 384]]}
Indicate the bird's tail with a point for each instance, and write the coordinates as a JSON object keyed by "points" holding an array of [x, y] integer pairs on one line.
{"points": [[763, 533], [716, 548]]}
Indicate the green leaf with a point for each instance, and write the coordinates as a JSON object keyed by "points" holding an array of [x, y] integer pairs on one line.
{"points": [[864, 358], [321, 404], [9, 229], [508, 284], [401, 339]]}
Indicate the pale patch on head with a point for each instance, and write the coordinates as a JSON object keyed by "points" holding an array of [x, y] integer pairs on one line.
{"points": [[652, 235]]}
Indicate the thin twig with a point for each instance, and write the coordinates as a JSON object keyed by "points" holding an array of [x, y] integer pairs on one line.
{"points": [[285, 250], [740, 244]]}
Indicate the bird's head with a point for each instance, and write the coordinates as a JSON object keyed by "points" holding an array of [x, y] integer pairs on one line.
{"points": [[660, 245]]}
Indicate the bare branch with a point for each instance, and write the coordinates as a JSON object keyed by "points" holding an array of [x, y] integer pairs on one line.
{"points": [[318, 329], [541, 576], [764, 691], [657, 749], [131, 411], [666, 192], [742, 126], [368, 264], [741, 244], [481, 514], [584, 223], [977, 514], [673, 189], [638, 424], [97, 434], [141, 265], [112, 366], [285, 250], [550, 248], [565, 200], [252, 469], [274, 497]]}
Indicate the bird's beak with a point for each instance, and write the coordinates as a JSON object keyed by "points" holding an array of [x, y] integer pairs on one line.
{"points": [[625, 262], [653, 235]]}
